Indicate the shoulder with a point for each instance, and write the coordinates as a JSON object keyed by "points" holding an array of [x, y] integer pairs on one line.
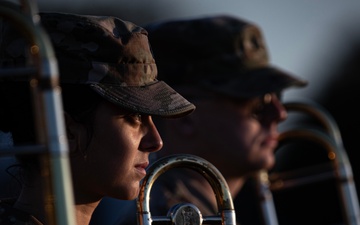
{"points": [[10, 215]]}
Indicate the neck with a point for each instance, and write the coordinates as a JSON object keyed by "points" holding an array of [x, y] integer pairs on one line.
{"points": [[84, 207], [31, 201], [84, 213]]}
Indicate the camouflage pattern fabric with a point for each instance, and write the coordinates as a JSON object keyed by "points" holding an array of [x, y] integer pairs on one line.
{"points": [[110, 55], [221, 53]]}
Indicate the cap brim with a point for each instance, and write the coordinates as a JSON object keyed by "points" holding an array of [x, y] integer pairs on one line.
{"points": [[258, 82], [157, 99]]}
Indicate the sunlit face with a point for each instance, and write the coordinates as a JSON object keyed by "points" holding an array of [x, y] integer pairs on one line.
{"points": [[239, 136], [115, 159]]}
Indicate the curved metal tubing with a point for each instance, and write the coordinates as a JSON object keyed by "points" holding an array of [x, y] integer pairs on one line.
{"points": [[267, 205], [50, 124], [212, 175], [332, 141]]}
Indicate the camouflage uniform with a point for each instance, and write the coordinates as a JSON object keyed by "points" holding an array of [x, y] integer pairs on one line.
{"points": [[110, 56]]}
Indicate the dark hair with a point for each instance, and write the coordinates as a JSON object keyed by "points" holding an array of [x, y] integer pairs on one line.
{"points": [[17, 113]]}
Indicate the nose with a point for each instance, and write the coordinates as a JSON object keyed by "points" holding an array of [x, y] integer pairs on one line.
{"points": [[280, 111], [151, 141]]}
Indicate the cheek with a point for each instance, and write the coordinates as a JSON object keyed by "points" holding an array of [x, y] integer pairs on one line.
{"points": [[111, 133], [111, 159], [240, 128], [247, 132], [242, 140], [111, 144]]}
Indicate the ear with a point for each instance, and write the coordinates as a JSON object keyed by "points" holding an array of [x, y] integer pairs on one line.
{"points": [[71, 132]]}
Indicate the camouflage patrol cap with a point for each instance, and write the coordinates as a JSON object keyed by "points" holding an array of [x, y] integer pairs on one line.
{"points": [[221, 53], [111, 56]]}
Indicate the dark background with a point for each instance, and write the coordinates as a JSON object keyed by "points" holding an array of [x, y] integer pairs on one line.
{"points": [[315, 40]]}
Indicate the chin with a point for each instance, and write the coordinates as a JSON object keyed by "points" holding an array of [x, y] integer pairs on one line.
{"points": [[133, 195], [127, 194], [268, 163]]}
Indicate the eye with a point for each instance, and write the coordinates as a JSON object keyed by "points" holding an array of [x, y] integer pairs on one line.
{"points": [[134, 117], [257, 111], [260, 105]]}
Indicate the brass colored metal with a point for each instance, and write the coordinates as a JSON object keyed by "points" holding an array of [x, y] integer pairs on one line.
{"points": [[331, 140], [226, 212], [50, 126]]}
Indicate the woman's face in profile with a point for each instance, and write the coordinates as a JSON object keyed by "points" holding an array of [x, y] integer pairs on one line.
{"points": [[117, 154]]}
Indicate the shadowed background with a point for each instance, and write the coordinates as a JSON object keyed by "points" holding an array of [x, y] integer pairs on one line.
{"points": [[316, 40]]}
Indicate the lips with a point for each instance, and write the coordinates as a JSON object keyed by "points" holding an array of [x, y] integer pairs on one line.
{"points": [[141, 167], [271, 141]]}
